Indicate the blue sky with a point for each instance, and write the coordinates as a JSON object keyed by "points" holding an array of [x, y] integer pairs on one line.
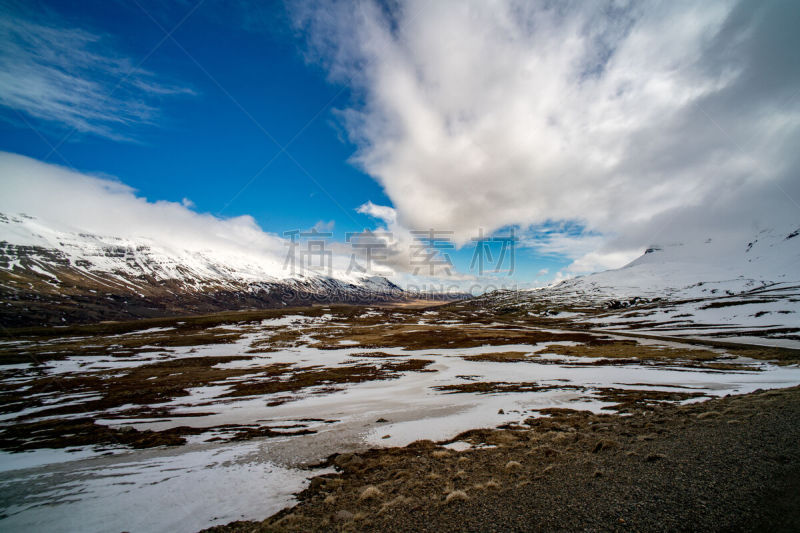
{"points": [[255, 130], [252, 92], [453, 115]]}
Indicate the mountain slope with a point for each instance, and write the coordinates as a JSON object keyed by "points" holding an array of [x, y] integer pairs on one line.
{"points": [[736, 290], [54, 276]]}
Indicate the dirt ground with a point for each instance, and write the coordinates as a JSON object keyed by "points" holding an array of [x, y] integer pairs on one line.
{"points": [[728, 464]]}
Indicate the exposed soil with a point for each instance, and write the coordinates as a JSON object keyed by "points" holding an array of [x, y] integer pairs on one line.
{"points": [[775, 354], [65, 433], [730, 464], [159, 382], [329, 376], [424, 337], [632, 349], [492, 387], [57, 410], [503, 357]]}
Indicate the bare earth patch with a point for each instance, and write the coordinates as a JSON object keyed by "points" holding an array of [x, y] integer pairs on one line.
{"points": [[664, 467]]}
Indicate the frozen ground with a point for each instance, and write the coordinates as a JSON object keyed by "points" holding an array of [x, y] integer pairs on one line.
{"points": [[474, 373], [183, 489]]}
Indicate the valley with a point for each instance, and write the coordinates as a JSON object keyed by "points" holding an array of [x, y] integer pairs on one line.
{"points": [[259, 400]]}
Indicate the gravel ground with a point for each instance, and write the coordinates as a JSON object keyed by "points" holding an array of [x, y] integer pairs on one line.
{"points": [[729, 464]]}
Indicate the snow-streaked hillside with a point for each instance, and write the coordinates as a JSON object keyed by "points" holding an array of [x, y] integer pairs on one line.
{"points": [[130, 257], [56, 275], [700, 269], [734, 290]]}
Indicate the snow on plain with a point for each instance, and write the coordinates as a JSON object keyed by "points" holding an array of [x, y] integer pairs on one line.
{"points": [[203, 483], [175, 490]]}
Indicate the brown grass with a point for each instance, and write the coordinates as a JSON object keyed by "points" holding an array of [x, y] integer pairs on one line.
{"points": [[633, 350], [491, 387], [502, 357]]}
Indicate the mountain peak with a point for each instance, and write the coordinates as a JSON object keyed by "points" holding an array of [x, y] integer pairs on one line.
{"points": [[63, 275]]}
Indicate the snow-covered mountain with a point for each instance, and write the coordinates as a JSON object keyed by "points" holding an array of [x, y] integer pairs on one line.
{"points": [[58, 275], [731, 289], [699, 269]]}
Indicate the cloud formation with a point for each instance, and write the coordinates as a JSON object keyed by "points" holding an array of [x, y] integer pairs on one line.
{"points": [[73, 77], [77, 202], [641, 120], [407, 252]]}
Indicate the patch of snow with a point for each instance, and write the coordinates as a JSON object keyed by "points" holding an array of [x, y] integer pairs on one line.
{"points": [[181, 491]]}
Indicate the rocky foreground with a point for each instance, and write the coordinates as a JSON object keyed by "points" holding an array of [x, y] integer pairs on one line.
{"points": [[729, 464]]}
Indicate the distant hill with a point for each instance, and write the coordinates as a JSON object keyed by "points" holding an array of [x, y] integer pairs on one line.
{"points": [[744, 289], [52, 275]]}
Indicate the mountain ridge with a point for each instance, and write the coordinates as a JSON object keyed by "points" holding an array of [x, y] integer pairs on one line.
{"points": [[50, 276], [746, 290]]}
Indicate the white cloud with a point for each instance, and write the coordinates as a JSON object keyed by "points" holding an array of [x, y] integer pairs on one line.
{"points": [[54, 72], [410, 253], [79, 202], [74, 202], [586, 250], [631, 118], [385, 213], [324, 227], [594, 261]]}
